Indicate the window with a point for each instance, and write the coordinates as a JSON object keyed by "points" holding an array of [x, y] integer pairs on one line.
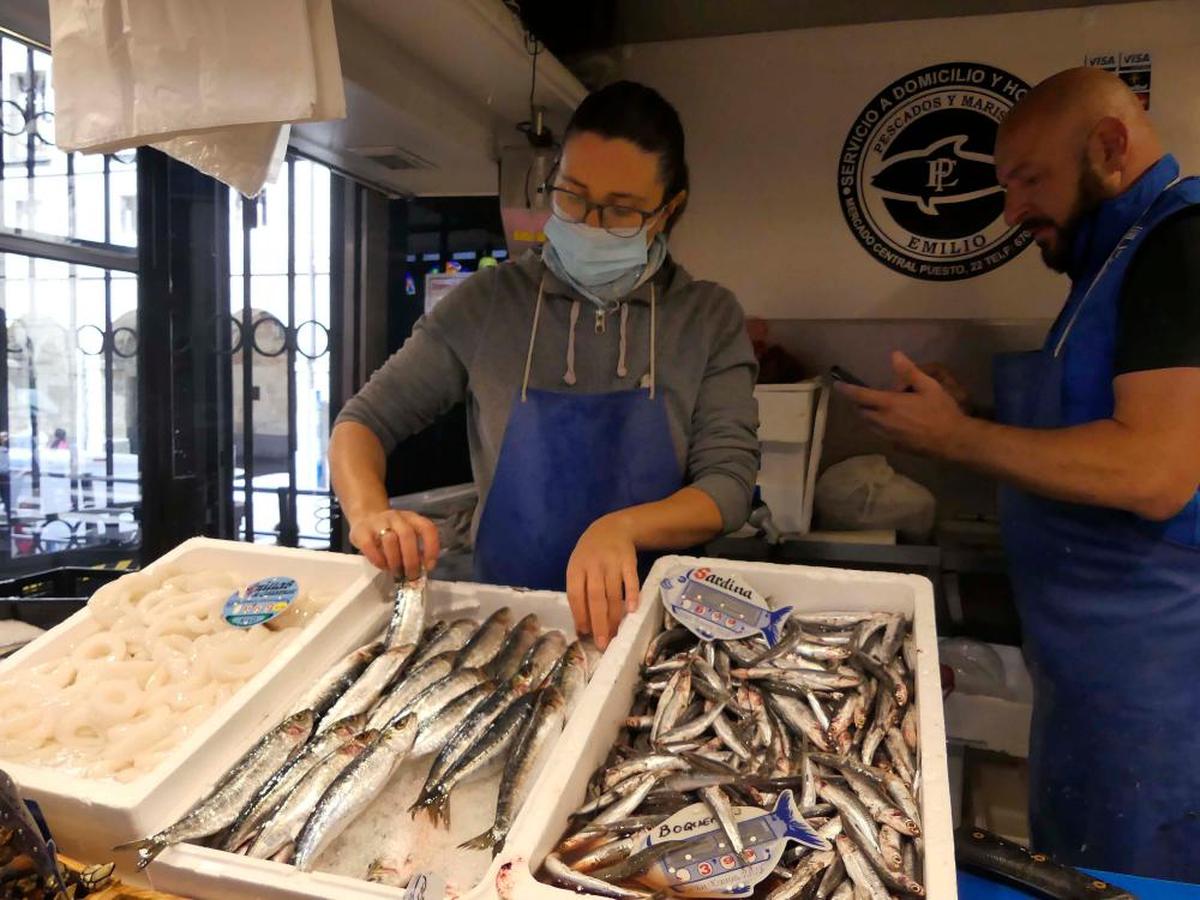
{"points": [[279, 284], [68, 309]]}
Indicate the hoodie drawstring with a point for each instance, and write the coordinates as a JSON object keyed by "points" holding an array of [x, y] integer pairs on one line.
{"points": [[569, 375]]}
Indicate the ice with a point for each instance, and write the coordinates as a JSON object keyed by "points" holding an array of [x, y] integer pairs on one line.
{"points": [[386, 829]]}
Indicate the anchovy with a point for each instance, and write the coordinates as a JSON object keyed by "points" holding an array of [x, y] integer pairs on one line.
{"points": [[285, 822], [486, 642], [639, 765], [279, 785], [714, 798], [799, 718], [220, 808], [900, 793], [560, 872], [889, 843], [861, 872], [672, 704], [326, 690], [369, 686], [898, 750], [693, 729], [353, 790], [410, 600], [878, 806], [544, 725], [855, 817], [505, 663], [803, 875], [637, 863], [810, 679], [606, 854]]}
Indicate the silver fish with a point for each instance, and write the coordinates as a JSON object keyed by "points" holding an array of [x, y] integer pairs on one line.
{"points": [[410, 601], [799, 718], [280, 784], [505, 663], [470, 728], [434, 733], [563, 874], [353, 790], [326, 690], [539, 661], [813, 864], [716, 800], [570, 675], [412, 685], [672, 704], [651, 763], [365, 691], [855, 817], [544, 725], [449, 638], [879, 807], [220, 808], [481, 757], [889, 842], [431, 701], [282, 828], [694, 728], [486, 642], [861, 872]]}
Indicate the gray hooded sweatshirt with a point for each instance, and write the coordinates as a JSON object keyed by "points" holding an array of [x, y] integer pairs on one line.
{"points": [[472, 347]]}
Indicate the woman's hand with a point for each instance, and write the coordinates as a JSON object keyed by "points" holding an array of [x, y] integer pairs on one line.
{"points": [[602, 577], [397, 541]]}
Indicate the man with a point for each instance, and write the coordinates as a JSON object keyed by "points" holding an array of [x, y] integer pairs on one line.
{"points": [[1098, 450]]}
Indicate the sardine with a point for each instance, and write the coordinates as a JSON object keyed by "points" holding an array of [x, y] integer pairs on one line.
{"points": [[221, 807], [410, 600], [479, 758], [448, 637], [276, 788], [413, 684], [570, 675], [539, 661], [353, 790], [326, 690], [369, 686], [470, 728], [431, 701], [544, 725], [434, 733], [505, 663], [285, 822], [486, 642]]}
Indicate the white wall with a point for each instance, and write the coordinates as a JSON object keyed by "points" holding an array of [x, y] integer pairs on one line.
{"points": [[766, 116]]}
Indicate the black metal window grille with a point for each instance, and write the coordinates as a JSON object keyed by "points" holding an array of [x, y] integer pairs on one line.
{"points": [[279, 262], [68, 306]]}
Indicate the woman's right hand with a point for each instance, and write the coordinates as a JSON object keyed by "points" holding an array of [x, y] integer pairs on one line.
{"points": [[397, 541]]}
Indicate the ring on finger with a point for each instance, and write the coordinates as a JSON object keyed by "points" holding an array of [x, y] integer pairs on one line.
{"points": [[382, 532]]}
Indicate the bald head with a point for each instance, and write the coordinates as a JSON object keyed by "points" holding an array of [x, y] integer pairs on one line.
{"points": [[1078, 138]]}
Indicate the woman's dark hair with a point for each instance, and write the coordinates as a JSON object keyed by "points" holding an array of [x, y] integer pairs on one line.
{"points": [[640, 115]]}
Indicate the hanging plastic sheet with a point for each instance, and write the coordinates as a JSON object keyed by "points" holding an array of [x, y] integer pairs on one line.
{"points": [[214, 83]]}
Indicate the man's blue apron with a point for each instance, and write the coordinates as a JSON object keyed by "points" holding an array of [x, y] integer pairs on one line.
{"points": [[567, 459], [1109, 602]]}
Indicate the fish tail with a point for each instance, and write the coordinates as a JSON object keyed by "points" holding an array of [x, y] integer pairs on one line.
{"points": [[485, 841], [147, 849], [435, 802], [775, 620], [797, 827]]}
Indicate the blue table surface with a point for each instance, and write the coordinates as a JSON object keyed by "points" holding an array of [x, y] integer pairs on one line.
{"points": [[972, 887]]}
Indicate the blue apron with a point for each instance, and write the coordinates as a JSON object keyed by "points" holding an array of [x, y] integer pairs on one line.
{"points": [[566, 460], [1109, 602]]}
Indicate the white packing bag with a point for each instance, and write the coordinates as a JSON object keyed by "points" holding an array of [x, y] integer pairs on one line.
{"points": [[864, 493], [214, 83]]}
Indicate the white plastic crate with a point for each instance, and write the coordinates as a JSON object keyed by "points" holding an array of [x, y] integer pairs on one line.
{"points": [[89, 816], [609, 696], [791, 433], [203, 872]]}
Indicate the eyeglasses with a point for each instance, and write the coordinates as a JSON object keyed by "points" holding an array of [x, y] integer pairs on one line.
{"points": [[617, 220]]}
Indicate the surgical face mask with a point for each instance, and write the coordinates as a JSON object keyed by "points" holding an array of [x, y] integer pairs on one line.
{"points": [[591, 256]]}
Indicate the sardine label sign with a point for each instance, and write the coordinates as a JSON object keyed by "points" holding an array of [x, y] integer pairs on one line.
{"points": [[917, 177], [261, 602], [701, 863], [716, 606]]}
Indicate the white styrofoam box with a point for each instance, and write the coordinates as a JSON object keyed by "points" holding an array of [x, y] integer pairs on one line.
{"points": [[609, 696], [196, 871], [89, 816], [791, 432], [1000, 724]]}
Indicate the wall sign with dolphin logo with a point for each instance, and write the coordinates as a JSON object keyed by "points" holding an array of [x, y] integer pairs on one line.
{"points": [[917, 179], [715, 606]]}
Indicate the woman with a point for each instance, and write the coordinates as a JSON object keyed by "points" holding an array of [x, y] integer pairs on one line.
{"points": [[609, 396]]}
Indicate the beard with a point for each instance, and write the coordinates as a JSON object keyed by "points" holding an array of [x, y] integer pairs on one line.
{"points": [[1057, 252]]}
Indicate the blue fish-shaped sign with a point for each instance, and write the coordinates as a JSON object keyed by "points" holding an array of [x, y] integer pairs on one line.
{"points": [[704, 865], [941, 174], [720, 607]]}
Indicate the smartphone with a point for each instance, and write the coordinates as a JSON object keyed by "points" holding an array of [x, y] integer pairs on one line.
{"points": [[837, 373]]}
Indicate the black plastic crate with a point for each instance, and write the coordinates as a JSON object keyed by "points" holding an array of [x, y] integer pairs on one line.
{"points": [[47, 598]]}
